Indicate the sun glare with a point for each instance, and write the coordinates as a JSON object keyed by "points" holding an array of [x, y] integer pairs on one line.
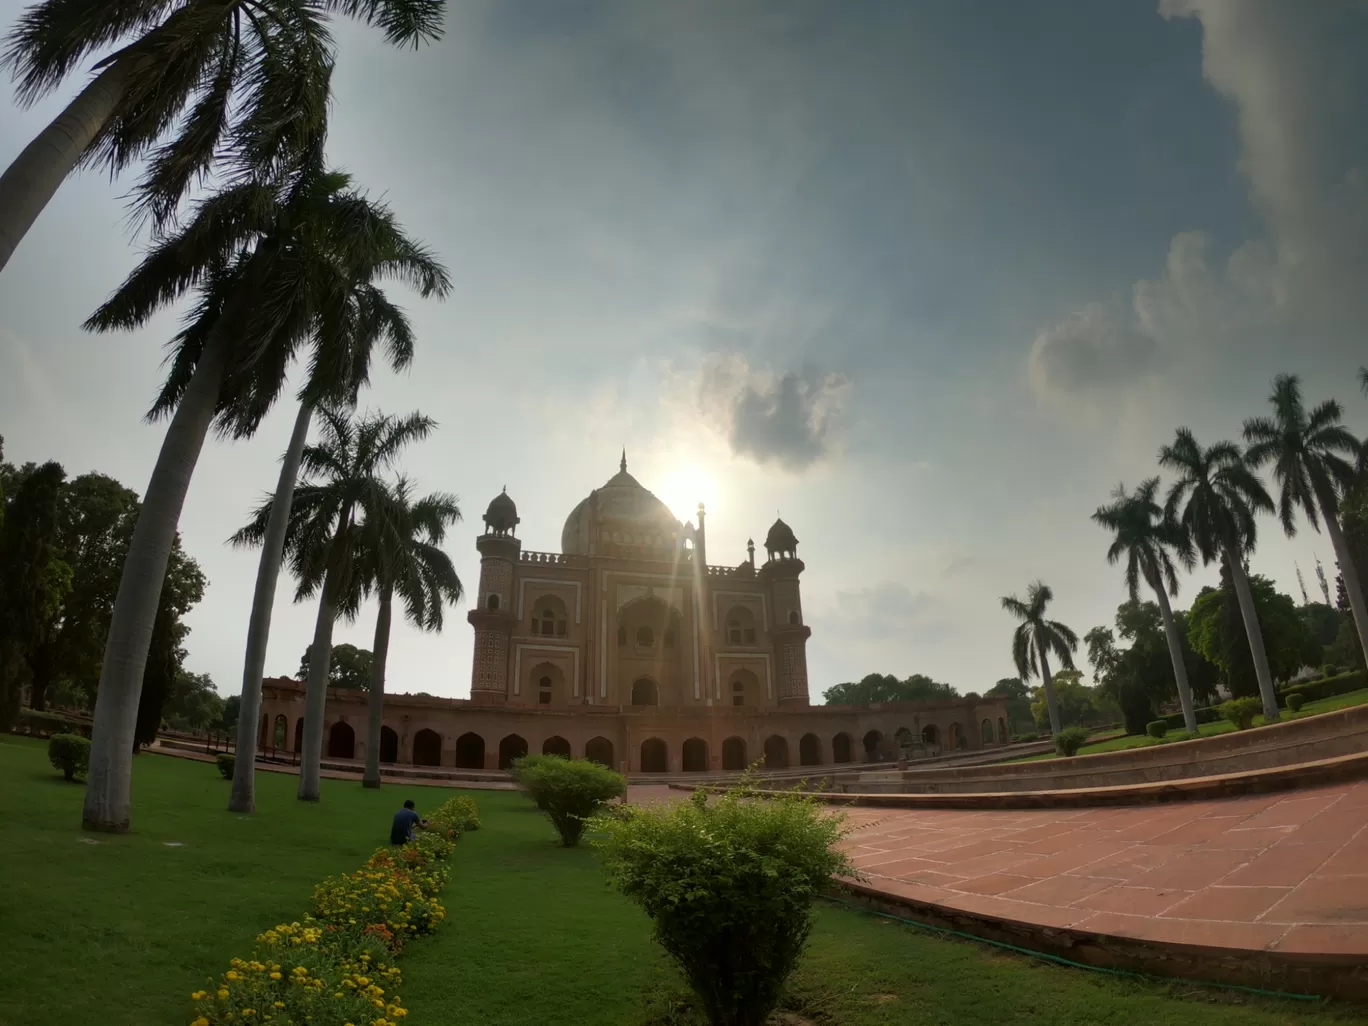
{"points": [[684, 486]]}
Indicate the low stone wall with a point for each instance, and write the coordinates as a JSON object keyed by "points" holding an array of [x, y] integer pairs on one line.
{"points": [[1290, 743]]}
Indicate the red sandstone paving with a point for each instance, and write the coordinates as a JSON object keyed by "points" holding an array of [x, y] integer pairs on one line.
{"points": [[1285, 872]]}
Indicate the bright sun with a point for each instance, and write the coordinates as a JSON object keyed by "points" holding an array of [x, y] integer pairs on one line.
{"points": [[684, 486]]}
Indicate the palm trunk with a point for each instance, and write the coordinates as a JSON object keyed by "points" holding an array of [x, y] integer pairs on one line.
{"points": [[1348, 571], [1255, 634], [39, 171], [1048, 681], [371, 777], [243, 798], [1175, 647], [108, 792], [320, 663]]}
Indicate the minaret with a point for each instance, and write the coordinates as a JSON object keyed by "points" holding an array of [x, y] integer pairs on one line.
{"points": [[493, 617], [790, 634]]}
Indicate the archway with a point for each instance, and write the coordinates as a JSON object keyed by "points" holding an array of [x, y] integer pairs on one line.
{"points": [[299, 734], [734, 754], [599, 750], [264, 734], [955, 737], [840, 748], [645, 692], [389, 745], [427, 748], [986, 731], [745, 688], [470, 752], [510, 748], [695, 755], [740, 626], [930, 734], [872, 740], [1002, 731], [810, 750], [341, 741], [655, 757], [556, 746], [281, 732], [903, 737], [545, 684], [776, 752]]}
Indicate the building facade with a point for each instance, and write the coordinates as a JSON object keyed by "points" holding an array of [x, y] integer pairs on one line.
{"points": [[628, 648]]}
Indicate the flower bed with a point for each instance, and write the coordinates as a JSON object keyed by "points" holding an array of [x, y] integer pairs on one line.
{"points": [[336, 966]]}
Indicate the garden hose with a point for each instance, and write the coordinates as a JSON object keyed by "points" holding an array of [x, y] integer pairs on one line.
{"points": [[1045, 956]]}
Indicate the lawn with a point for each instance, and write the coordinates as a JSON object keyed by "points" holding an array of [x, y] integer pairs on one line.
{"points": [[121, 931], [1116, 744]]}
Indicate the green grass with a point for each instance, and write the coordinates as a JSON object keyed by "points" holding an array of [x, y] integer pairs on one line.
{"points": [[1117, 744], [122, 931]]}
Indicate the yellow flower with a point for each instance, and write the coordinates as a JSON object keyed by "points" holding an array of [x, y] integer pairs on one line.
{"points": [[223, 993], [275, 976], [201, 1021], [198, 995]]}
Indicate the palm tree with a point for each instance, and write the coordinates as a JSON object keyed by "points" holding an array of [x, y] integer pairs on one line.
{"points": [[1220, 498], [271, 264], [244, 83], [342, 492], [1145, 537], [1314, 460], [1035, 638], [401, 553]]}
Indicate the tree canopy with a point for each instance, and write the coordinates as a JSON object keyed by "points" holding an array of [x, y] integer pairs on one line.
{"points": [[884, 687], [1216, 632], [350, 667]]}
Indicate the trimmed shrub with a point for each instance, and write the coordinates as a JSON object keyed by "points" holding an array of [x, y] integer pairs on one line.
{"points": [[1241, 711], [69, 753], [569, 791], [1157, 728], [1206, 714], [45, 724], [1329, 687], [1295, 701], [226, 764], [1069, 740], [728, 885], [1027, 737]]}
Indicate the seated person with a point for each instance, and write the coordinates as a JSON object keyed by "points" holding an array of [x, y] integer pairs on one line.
{"points": [[405, 820]]}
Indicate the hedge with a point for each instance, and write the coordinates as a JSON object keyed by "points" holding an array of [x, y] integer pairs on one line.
{"points": [[335, 966], [1206, 714], [45, 723], [1327, 687], [69, 753]]}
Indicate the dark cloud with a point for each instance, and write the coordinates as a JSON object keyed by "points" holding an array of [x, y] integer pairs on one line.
{"points": [[1088, 350], [789, 419]]}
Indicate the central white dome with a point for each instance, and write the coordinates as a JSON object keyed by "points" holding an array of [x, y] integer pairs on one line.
{"points": [[623, 515]]}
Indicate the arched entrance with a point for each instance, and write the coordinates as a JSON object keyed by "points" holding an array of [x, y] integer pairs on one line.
{"points": [[986, 731], [655, 757], [510, 748], [1002, 731], [840, 748], [695, 755], [556, 746], [281, 732], [599, 750], [734, 753], [645, 692], [427, 748], [872, 740], [299, 734], [930, 734], [389, 745], [810, 750], [470, 752], [341, 741], [776, 752], [955, 737]]}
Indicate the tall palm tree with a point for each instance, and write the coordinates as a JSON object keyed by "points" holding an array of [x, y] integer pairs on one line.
{"points": [[1148, 539], [268, 262], [1220, 498], [343, 490], [243, 83], [1314, 460], [1035, 638], [401, 554]]}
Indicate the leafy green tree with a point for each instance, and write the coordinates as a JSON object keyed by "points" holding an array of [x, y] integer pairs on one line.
{"points": [[243, 87], [402, 555], [1212, 633], [1035, 638], [1018, 697], [1147, 540], [33, 581], [1322, 622], [228, 718], [346, 486], [1074, 701], [884, 687], [350, 668], [194, 703], [1313, 457], [1219, 498], [181, 591], [274, 265]]}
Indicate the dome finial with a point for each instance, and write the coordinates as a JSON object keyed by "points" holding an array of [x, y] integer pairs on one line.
{"points": [[623, 465]]}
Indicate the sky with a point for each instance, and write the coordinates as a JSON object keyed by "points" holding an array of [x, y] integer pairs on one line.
{"points": [[928, 279]]}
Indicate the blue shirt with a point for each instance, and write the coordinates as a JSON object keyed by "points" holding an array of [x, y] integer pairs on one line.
{"points": [[404, 822]]}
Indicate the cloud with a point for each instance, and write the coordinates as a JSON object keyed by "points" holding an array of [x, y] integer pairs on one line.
{"points": [[957, 564], [789, 419], [887, 610], [1091, 348]]}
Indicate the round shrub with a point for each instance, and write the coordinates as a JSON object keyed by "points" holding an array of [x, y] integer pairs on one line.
{"points": [[1069, 740], [69, 753], [1295, 701], [226, 764], [570, 791], [1241, 711], [1156, 728], [728, 885], [1027, 737]]}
